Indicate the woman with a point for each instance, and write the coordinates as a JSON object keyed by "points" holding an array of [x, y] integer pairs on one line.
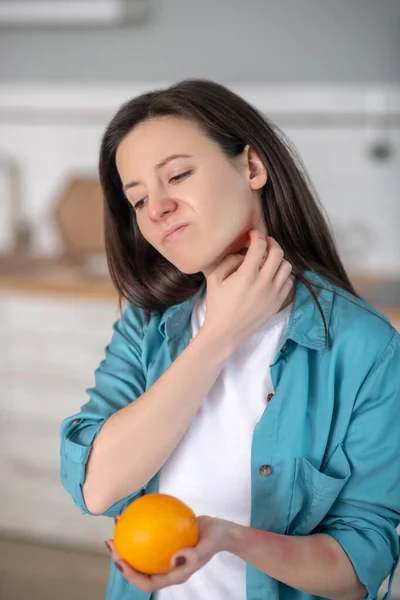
{"points": [[245, 375]]}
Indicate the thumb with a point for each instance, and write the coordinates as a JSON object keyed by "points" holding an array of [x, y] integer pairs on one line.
{"points": [[186, 557], [195, 557]]}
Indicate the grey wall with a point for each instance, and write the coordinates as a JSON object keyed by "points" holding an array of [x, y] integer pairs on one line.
{"points": [[229, 40]]}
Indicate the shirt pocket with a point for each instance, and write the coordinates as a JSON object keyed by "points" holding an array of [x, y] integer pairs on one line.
{"points": [[315, 491]]}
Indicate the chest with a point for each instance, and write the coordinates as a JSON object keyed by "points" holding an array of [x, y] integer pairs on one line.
{"points": [[299, 402], [295, 461]]}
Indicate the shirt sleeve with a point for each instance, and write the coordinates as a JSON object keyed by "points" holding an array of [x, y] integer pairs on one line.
{"points": [[365, 516], [119, 380]]}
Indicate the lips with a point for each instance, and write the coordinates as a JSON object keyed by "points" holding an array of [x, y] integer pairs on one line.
{"points": [[173, 232]]}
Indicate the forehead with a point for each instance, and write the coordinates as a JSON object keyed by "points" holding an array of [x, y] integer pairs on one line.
{"points": [[156, 138]]}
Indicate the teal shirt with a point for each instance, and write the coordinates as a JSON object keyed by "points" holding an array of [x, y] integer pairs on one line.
{"points": [[331, 434]]}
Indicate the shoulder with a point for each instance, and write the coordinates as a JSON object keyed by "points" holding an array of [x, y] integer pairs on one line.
{"points": [[133, 316], [130, 326], [358, 329], [141, 326]]}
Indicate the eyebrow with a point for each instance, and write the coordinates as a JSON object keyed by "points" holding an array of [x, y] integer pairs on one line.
{"points": [[159, 165]]}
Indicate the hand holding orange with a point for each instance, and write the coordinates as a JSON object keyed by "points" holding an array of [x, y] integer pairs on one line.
{"points": [[152, 529]]}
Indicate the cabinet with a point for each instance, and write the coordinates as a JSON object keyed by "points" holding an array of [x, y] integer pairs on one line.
{"points": [[49, 350]]}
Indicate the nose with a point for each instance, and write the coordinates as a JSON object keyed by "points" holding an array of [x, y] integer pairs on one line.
{"points": [[159, 206]]}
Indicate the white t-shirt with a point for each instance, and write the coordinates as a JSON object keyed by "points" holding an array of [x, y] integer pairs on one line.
{"points": [[209, 470]]}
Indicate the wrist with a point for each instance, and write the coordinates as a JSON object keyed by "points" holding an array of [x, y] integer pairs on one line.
{"points": [[244, 541], [233, 538], [222, 347]]}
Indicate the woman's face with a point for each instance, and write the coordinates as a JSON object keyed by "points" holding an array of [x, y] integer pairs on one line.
{"points": [[174, 176]]}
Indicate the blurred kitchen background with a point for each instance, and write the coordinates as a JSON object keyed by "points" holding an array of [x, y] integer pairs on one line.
{"points": [[327, 72]]}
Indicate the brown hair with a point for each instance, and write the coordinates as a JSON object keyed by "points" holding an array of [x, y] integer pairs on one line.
{"points": [[291, 209]]}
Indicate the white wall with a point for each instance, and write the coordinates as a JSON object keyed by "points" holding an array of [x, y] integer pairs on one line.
{"points": [[229, 40], [53, 133]]}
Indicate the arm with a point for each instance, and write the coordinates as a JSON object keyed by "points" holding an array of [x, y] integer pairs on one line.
{"points": [[124, 435], [364, 518], [152, 426], [103, 446], [119, 380], [315, 564], [356, 546]]}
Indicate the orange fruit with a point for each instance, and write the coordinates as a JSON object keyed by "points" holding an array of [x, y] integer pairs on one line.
{"points": [[152, 529]]}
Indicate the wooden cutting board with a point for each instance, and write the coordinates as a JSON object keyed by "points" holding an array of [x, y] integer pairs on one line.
{"points": [[79, 217]]}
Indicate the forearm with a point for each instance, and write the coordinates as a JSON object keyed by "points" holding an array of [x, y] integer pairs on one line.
{"points": [[315, 564], [135, 442]]}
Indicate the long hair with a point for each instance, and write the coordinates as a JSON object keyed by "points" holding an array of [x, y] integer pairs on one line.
{"points": [[291, 210]]}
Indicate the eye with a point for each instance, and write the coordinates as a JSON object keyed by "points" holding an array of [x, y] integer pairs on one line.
{"points": [[180, 177], [139, 204]]}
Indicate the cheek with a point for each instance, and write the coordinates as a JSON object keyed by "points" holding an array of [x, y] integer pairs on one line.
{"points": [[237, 221], [145, 231], [223, 190]]}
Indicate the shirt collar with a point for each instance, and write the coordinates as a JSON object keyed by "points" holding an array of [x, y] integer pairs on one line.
{"points": [[305, 326], [176, 318]]}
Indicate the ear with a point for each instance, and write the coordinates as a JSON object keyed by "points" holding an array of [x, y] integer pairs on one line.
{"points": [[257, 172]]}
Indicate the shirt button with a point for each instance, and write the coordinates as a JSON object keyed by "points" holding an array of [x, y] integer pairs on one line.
{"points": [[265, 470], [269, 397], [76, 421], [284, 347]]}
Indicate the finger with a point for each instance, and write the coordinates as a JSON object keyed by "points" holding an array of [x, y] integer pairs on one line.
{"points": [[196, 557], [180, 572], [134, 577], [139, 580], [112, 549], [256, 252], [202, 553], [282, 275], [116, 519], [185, 559], [226, 267], [176, 576], [275, 256], [154, 582], [264, 258]]}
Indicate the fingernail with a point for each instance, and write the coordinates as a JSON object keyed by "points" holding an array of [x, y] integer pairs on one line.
{"points": [[107, 545], [180, 561], [118, 566]]}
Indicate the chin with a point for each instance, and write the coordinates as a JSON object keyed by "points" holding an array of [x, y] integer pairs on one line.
{"points": [[185, 267], [187, 270], [191, 267]]}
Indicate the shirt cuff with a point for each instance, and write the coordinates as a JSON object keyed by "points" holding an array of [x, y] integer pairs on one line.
{"points": [[370, 555]]}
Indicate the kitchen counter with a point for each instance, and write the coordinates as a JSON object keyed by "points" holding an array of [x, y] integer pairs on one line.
{"points": [[68, 278], [382, 293], [51, 571], [61, 276]]}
